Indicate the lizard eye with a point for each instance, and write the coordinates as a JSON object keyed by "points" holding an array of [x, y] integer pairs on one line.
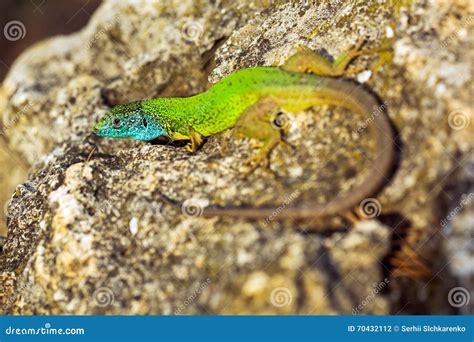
{"points": [[116, 123], [145, 123]]}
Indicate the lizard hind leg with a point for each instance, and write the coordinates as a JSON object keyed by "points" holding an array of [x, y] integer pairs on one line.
{"points": [[309, 61], [256, 123]]}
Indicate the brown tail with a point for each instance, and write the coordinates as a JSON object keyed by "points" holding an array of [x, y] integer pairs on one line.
{"points": [[352, 97]]}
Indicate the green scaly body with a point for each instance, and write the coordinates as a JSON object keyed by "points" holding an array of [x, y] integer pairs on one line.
{"points": [[220, 107]]}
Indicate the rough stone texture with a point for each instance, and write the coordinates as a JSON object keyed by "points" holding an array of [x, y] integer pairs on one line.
{"points": [[88, 233]]}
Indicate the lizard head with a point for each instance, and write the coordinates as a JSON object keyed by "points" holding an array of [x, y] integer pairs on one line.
{"points": [[129, 121]]}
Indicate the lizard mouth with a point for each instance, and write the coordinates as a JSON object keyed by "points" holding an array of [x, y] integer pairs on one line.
{"points": [[98, 127], [98, 130]]}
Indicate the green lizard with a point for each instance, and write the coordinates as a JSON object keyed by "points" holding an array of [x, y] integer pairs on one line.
{"points": [[250, 100]]}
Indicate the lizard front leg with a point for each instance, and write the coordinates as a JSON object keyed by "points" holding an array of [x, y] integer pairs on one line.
{"points": [[196, 141]]}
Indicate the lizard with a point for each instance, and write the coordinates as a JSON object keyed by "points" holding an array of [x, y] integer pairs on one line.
{"points": [[249, 100]]}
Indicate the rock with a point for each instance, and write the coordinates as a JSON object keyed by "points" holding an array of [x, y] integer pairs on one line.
{"points": [[457, 229], [88, 232]]}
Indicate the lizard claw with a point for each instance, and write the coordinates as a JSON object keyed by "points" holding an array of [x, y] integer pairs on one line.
{"points": [[254, 161]]}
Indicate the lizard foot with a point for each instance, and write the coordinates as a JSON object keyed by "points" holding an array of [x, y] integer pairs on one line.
{"points": [[309, 61], [255, 160], [196, 141]]}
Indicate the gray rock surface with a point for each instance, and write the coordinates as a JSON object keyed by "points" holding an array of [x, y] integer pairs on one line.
{"points": [[88, 233]]}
